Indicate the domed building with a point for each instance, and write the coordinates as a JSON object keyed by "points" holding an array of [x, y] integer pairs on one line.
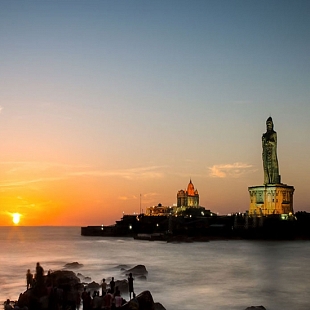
{"points": [[189, 197]]}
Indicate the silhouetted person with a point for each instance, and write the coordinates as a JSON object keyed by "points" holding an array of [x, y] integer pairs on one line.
{"points": [[112, 285], [107, 300], [29, 278], [8, 305], [103, 287], [87, 301], [84, 297], [118, 300], [39, 274], [77, 300], [97, 301], [130, 285]]}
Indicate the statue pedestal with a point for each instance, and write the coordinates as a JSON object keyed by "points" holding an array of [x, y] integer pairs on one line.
{"points": [[271, 199]]}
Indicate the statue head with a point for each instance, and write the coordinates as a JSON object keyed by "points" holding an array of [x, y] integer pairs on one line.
{"points": [[269, 124]]}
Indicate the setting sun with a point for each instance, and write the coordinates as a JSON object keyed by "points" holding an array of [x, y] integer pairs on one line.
{"points": [[16, 218]]}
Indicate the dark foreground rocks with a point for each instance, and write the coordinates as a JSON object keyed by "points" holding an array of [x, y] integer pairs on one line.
{"points": [[256, 308], [62, 289], [143, 301]]}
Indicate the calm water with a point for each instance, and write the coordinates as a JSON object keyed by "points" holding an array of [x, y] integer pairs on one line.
{"points": [[212, 275]]}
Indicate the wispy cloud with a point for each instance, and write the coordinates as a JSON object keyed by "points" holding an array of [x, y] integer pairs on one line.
{"points": [[1, 108], [39, 172], [234, 170], [27, 182], [133, 197], [151, 172]]}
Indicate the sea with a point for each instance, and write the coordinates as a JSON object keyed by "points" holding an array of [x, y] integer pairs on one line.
{"points": [[226, 274]]}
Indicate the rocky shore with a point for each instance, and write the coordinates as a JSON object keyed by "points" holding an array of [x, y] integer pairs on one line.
{"points": [[62, 290]]}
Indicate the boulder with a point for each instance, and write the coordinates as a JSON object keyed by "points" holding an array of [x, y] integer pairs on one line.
{"points": [[36, 298], [138, 270], [122, 267], [60, 278], [143, 301], [158, 306], [256, 308], [93, 286], [73, 265], [122, 286], [84, 278]]}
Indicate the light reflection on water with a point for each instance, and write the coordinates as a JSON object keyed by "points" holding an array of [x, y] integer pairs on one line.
{"points": [[212, 275]]}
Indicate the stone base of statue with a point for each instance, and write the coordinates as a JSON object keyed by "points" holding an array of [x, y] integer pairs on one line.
{"points": [[271, 199]]}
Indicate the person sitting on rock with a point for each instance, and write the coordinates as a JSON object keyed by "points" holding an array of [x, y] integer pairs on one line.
{"points": [[8, 305]]}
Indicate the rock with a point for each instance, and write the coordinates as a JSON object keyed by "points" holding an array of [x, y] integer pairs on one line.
{"points": [[143, 278], [158, 306], [143, 301], [122, 267], [62, 278], [122, 286], [138, 270], [37, 298], [83, 278], [256, 308], [73, 265], [93, 285]]}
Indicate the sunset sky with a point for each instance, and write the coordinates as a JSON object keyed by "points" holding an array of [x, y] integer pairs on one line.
{"points": [[102, 101]]}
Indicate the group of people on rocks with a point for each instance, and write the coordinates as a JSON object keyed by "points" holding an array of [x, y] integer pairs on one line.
{"points": [[69, 298], [110, 296], [36, 280]]}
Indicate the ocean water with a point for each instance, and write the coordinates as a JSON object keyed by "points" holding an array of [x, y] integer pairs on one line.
{"points": [[184, 276]]}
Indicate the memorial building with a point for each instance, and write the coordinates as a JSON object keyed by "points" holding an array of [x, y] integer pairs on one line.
{"points": [[273, 197], [189, 197]]}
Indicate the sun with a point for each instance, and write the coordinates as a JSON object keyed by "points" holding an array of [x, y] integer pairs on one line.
{"points": [[16, 218]]}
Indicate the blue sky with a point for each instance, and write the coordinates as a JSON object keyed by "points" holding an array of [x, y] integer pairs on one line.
{"points": [[109, 99]]}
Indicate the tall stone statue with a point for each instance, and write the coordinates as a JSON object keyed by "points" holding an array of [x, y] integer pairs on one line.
{"points": [[270, 160]]}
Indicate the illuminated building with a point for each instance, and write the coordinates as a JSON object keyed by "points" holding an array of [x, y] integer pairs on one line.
{"points": [[159, 210], [189, 197]]}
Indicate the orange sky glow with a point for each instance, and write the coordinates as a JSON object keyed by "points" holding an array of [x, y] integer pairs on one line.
{"points": [[105, 101]]}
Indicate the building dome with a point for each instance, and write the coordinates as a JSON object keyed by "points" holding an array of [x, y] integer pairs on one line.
{"points": [[190, 189], [188, 198]]}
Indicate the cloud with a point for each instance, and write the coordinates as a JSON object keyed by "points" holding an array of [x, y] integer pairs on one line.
{"points": [[130, 174], [234, 170], [27, 182], [127, 198], [1, 108], [51, 172]]}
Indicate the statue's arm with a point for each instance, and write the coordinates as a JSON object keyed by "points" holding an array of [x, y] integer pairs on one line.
{"points": [[275, 138]]}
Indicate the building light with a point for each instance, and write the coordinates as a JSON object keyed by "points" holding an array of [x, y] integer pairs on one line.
{"points": [[130, 227]]}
